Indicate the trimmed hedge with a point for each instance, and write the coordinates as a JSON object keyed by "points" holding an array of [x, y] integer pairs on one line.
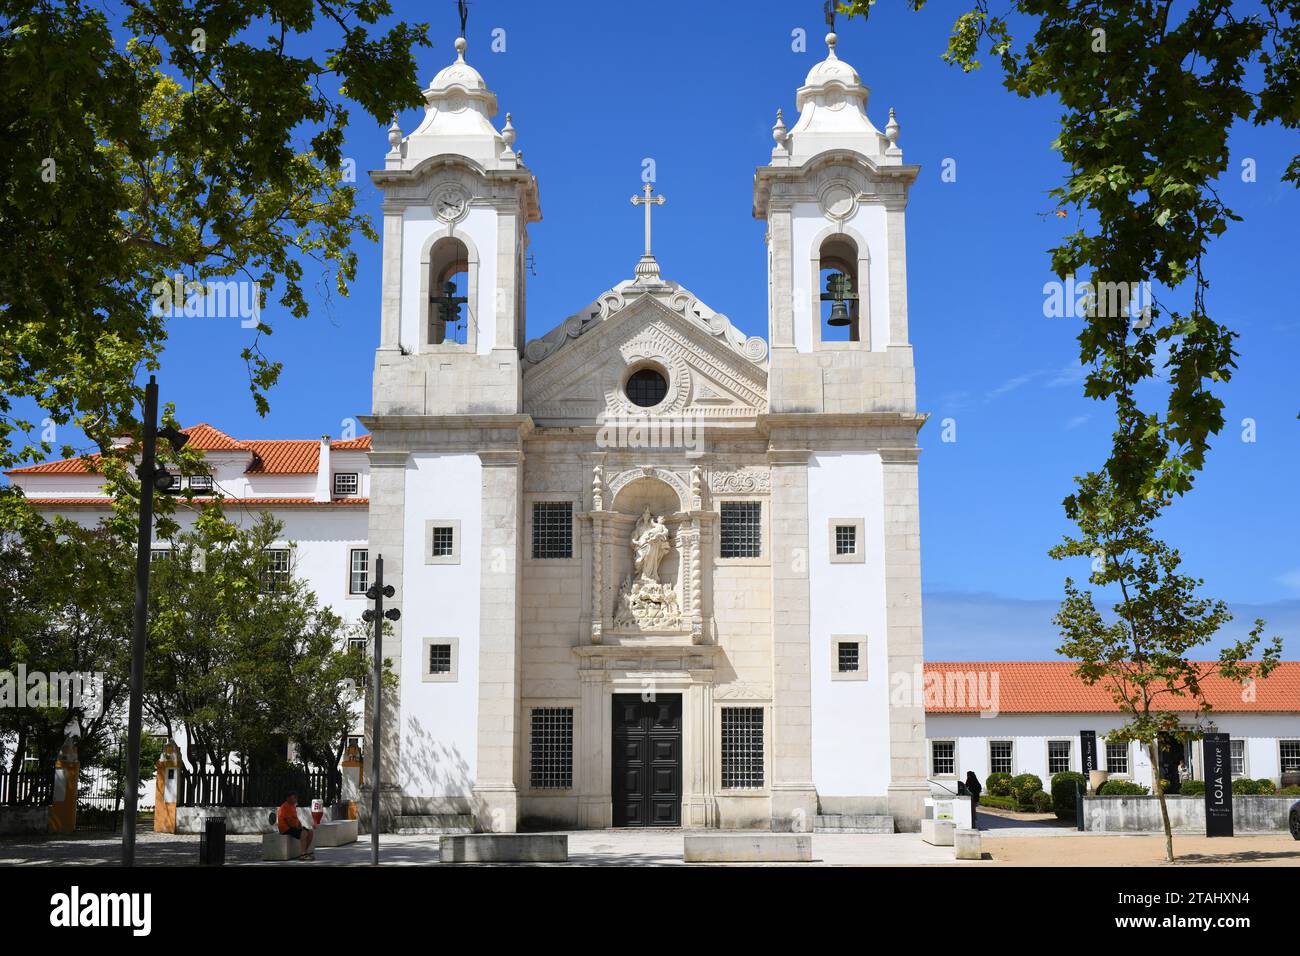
{"points": [[1289, 792], [1002, 803], [1262, 787], [1063, 793], [1193, 788], [998, 784], [1023, 788], [1042, 802], [1122, 788]]}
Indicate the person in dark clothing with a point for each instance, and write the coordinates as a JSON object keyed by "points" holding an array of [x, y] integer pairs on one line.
{"points": [[974, 789]]}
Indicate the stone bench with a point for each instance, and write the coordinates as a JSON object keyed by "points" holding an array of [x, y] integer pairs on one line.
{"points": [[278, 847], [969, 845], [748, 848], [504, 848], [939, 832], [335, 833]]}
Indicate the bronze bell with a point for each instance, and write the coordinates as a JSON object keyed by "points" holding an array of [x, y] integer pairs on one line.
{"points": [[839, 313]]}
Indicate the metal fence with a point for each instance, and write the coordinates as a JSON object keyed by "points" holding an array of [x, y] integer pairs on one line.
{"points": [[238, 789], [26, 788]]}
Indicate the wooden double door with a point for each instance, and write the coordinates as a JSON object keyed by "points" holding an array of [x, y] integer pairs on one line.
{"points": [[647, 761]]}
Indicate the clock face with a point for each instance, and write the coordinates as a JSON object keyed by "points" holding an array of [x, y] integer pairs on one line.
{"points": [[450, 203]]}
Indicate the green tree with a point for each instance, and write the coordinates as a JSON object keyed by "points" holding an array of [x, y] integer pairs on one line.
{"points": [[1142, 652], [187, 137], [1149, 90]]}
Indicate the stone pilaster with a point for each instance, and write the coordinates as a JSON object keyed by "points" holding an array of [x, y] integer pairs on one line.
{"points": [[907, 787], [390, 309], [894, 225], [593, 759], [780, 273], [387, 538], [794, 799], [495, 789]]}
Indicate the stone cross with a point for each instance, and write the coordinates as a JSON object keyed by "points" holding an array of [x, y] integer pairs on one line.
{"points": [[648, 269]]}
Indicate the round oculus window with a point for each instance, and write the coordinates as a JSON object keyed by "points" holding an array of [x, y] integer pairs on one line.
{"points": [[646, 387]]}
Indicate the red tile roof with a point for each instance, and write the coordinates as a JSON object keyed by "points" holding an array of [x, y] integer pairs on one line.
{"points": [[1051, 687], [281, 456]]}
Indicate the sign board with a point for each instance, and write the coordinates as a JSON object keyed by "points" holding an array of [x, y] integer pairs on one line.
{"points": [[1088, 746], [1218, 785]]}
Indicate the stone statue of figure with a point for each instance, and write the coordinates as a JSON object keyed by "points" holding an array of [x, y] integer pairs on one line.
{"points": [[650, 544]]}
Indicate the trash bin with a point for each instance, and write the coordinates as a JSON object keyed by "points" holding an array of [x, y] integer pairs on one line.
{"points": [[212, 842]]}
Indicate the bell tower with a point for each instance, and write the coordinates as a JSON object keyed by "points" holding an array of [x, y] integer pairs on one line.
{"points": [[834, 197], [457, 204]]}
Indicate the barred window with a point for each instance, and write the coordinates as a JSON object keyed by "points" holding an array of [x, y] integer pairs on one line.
{"points": [[1238, 755], [439, 658], [551, 766], [200, 482], [552, 529], [1116, 757], [742, 747], [1000, 756], [1289, 750], [346, 483], [943, 758], [275, 569], [444, 541], [1058, 756], [847, 656], [742, 529], [846, 539], [358, 571]]}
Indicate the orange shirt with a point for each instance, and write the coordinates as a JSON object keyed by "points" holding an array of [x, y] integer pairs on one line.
{"points": [[287, 818]]}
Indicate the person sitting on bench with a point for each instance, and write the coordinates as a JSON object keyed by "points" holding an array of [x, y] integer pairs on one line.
{"points": [[288, 823]]}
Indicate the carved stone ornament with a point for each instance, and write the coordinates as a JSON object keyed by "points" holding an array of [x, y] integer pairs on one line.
{"points": [[644, 601]]}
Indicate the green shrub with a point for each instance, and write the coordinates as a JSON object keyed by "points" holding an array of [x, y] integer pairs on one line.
{"points": [[1265, 787], [1292, 791], [1063, 793], [1042, 802], [998, 784], [1002, 803], [1122, 788], [1023, 788], [1193, 788]]}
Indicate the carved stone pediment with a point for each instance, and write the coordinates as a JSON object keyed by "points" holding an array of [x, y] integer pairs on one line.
{"points": [[713, 371]]}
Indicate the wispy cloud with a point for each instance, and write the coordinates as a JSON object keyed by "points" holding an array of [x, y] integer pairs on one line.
{"points": [[1290, 579], [1075, 422]]}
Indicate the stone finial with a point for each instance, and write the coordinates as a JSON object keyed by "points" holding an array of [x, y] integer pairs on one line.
{"points": [[892, 128], [508, 133], [831, 40], [779, 131], [460, 45], [697, 487], [597, 495], [394, 134]]}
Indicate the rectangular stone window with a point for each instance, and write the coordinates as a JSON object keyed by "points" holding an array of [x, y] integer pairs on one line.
{"points": [[1058, 756], [1238, 757], [358, 571], [1116, 757], [1000, 759], [346, 484], [846, 539], [943, 758], [847, 656], [275, 569], [440, 658], [742, 529], [1289, 752], [444, 542], [200, 482], [551, 749], [742, 748], [159, 554], [552, 529]]}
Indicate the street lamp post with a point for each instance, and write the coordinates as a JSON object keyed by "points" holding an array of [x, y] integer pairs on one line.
{"points": [[376, 615], [152, 478]]}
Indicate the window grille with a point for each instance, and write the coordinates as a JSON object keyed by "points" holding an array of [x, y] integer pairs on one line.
{"points": [[742, 529], [552, 529], [742, 747], [551, 766]]}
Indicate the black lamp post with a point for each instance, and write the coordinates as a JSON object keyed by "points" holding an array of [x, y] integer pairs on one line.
{"points": [[376, 615], [152, 478]]}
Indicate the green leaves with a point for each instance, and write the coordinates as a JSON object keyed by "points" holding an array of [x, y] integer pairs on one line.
{"points": [[177, 151]]}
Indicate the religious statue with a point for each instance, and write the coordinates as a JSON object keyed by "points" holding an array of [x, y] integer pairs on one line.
{"points": [[643, 600]]}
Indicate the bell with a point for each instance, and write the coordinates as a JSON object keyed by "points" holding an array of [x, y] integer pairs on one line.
{"points": [[839, 313]]}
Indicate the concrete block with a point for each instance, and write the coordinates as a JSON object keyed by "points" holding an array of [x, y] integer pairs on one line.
{"points": [[748, 848], [939, 832], [968, 845], [337, 833], [504, 848], [278, 847]]}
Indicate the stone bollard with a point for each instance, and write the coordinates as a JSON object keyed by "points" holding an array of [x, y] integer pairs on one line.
{"points": [[63, 808], [165, 784], [968, 845]]}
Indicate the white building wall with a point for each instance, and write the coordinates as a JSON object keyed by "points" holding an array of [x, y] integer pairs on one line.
{"points": [[850, 718], [439, 731], [1030, 734]]}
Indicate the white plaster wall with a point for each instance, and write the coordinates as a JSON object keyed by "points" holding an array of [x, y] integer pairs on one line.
{"points": [[1031, 732], [850, 718], [808, 223], [60, 486], [480, 225], [439, 732]]}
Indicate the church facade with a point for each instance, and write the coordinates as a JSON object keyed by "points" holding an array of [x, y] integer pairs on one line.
{"points": [[652, 571]]}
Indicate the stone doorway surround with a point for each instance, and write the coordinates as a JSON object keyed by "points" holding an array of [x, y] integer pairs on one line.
{"points": [[606, 670]]}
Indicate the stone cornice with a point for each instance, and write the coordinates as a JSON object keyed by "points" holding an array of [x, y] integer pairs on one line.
{"points": [[523, 424], [788, 456], [778, 420], [900, 455]]}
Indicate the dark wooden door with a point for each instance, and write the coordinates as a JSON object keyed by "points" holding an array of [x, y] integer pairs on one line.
{"points": [[647, 761]]}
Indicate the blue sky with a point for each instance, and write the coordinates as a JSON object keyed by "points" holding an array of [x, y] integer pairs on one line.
{"points": [[594, 88]]}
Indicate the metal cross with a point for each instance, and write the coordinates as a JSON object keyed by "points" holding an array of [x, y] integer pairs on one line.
{"points": [[648, 201]]}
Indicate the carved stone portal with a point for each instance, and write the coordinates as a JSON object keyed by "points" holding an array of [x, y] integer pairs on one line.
{"points": [[643, 600]]}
